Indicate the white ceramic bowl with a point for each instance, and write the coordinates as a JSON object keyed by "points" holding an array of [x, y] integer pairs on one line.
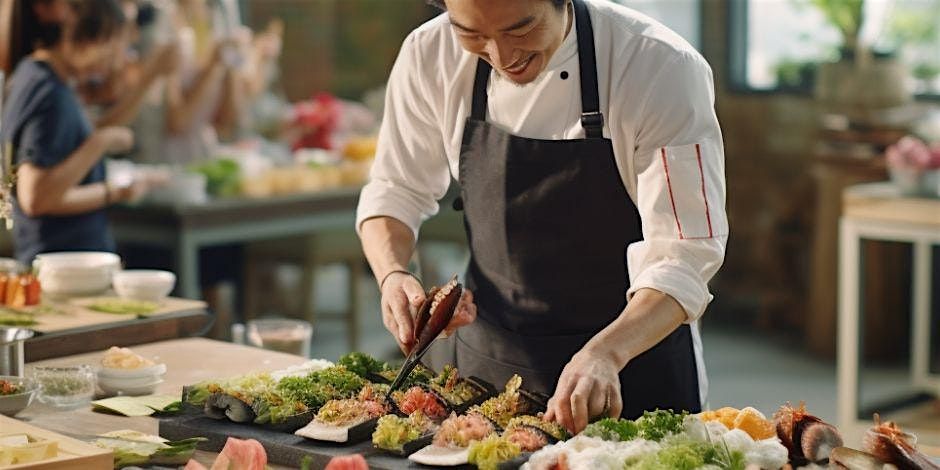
{"points": [[145, 386], [76, 273], [144, 284], [141, 381], [146, 372]]}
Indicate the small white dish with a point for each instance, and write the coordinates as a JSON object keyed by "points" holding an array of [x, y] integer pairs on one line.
{"points": [[114, 373], [144, 284], [132, 389]]}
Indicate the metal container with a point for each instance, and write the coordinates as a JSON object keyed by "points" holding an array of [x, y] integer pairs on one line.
{"points": [[12, 358]]}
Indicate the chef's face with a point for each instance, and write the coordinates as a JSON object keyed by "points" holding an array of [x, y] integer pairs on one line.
{"points": [[516, 37]]}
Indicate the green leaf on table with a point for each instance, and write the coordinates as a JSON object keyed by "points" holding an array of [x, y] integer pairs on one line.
{"points": [[138, 406], [132, 448], [127, 406], [160, 403], [120, 306], [14, 317]]}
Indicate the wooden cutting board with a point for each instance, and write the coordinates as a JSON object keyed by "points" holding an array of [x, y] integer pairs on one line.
{"points": [[59, 315], [72, 455]]}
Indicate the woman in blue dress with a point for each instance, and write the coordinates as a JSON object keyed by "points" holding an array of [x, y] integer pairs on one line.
{"points": [[61, 191]]}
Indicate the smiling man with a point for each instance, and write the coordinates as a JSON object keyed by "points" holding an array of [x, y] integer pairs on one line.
{"points": [[584, 138]]}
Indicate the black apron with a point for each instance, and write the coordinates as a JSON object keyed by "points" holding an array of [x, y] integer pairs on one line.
{"points": [[548, 222]]}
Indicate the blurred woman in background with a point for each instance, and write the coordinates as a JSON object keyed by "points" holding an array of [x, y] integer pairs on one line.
{"points": [[61, 189]]}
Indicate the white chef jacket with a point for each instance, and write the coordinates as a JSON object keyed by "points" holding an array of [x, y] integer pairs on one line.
{"points": [[657, 97]]}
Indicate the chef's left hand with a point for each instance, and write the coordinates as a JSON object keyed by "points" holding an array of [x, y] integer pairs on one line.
{"points": [[588, 387]]}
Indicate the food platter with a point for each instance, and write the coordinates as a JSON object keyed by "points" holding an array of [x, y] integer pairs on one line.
{"points": [[322, 410]]}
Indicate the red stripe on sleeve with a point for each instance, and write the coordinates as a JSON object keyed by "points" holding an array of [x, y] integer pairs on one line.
{"points": [[672, 199], [708, 215]]}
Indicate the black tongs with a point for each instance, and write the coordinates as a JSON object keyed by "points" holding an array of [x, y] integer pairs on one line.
{"points": [[433, 317]]}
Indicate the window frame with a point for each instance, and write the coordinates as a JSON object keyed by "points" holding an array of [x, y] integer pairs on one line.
{"points": [[737, 44]]}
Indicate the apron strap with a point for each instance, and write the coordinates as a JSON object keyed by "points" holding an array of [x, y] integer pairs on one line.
{"points": [[480, 98], [591, 118]]}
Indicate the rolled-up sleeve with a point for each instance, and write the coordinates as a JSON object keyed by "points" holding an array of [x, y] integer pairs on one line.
{"points": [[410, 173], [680, 187]]}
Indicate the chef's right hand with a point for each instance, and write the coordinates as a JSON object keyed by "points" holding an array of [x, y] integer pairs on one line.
{"points": [[116, 139], [402, 295]]}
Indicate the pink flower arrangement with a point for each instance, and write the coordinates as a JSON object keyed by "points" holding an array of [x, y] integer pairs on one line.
{"points": [[914, 154]]}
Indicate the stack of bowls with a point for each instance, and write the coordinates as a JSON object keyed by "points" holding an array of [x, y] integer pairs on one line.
{"points": [[76, 273], [140, 381]]}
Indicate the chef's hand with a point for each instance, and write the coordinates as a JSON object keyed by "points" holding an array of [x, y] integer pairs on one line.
{"points": [[588, 387], [402, 295]]}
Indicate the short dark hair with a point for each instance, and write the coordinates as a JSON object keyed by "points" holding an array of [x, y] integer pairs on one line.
{"points": [[440, 3], [94, 20]]}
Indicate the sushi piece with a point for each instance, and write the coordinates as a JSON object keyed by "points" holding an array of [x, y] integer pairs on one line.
{"points": [[346, 420], [531, 433], [489, 453], [223, 405], [450, 446], [460, 393], [418, 398], [510, 403], [403, 436]]}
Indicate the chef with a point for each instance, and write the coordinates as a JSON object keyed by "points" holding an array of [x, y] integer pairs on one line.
{"points": [[591, 171]]}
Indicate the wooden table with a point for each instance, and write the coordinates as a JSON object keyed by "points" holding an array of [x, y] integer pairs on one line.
{"points": [[185, 229], [877, 212], [188, 361], [71, 328]]}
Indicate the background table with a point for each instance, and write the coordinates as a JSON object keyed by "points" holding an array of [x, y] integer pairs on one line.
{"points": [[74, 329], [185, 229], [877, 212], [188, 361]]}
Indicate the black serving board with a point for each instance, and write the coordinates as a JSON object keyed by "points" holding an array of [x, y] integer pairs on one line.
{"points": [[282, 448]]}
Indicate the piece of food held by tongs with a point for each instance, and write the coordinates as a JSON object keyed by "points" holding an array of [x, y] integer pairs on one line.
{"points": [[433, 317]]}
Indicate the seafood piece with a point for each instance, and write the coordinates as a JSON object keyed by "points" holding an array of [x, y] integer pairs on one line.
{"points": [[531, 433], [456, 391], [394, 433], [507, 405], [807, 438], [347, 462], [419, 399], [851, 459], [244, 454], [886, 441], [424, 312], [451, 443], [345, 420], [458, 431], [441, 303], [223, 405]]}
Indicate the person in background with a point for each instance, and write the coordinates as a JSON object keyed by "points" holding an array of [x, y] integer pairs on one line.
{"points": [[61, 189], [222, 67], [116, 94]]}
